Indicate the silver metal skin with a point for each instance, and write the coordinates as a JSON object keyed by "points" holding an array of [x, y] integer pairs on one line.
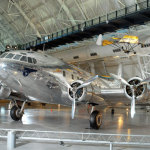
{"points": [[50, 80], [44, 80]]}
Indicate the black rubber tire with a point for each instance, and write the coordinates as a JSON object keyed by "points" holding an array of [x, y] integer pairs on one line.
{"points": [[95, 120], [13, 113]]}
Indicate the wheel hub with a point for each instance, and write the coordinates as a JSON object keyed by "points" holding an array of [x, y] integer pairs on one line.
{"points": [[18, 114], [98, 120]]}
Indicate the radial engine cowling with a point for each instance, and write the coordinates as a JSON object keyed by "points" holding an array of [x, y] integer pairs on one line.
{"points": [[139, 90], [4, 92], [81, 94]]}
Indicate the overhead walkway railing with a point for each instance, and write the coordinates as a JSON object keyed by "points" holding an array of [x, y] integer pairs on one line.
{"points": [[116, 19], [14, 135]]}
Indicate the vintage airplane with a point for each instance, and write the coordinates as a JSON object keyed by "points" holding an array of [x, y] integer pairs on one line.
{"points": [[34, 76], [112, 45]]}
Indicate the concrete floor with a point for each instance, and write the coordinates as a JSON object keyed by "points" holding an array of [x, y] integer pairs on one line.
{"points": [[60, 120]]}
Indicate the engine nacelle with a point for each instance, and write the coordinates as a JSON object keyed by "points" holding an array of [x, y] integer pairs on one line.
{"points": [[139, 90], [4, 92], [83, 94]]}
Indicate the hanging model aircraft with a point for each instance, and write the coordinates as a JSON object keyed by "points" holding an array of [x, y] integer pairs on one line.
{"points": [[125, 43], [108, 46], [32, 76]]}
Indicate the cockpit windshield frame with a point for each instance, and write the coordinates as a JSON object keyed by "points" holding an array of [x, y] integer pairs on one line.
{"points": [[19, 57], [3, 55], [9, 56]]}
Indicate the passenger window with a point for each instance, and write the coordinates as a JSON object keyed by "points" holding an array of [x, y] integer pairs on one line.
{"points": [[10, 55], [23, 58], [29, 60], [3, 55], [17, 57], [34, 61]]}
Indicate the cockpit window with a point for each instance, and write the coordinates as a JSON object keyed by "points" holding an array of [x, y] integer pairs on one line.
{"points": [[3, 55], [34, 61], [10, 55], [17, 57], [23, 58], [23, 53], [29, 60]]}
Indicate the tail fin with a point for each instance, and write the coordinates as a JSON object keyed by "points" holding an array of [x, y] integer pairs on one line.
{"points": [[99, 40]]}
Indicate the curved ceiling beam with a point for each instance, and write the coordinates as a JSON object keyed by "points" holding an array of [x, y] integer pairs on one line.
{"points": [[130, 2], [117, 3], [10, 36], [67, 11], [27, 19], [2, 44], [10, 22], [80, 8]]}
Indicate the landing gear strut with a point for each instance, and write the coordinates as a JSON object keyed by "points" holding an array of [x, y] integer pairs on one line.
{"points": [[95, 118], [16, 112]]}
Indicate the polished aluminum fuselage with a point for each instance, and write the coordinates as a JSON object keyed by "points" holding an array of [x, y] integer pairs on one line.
{"points": [[45, 81]]}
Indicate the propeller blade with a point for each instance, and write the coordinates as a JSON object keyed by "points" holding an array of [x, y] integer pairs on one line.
{"points": [[145, 81], [133, 104], [120, 78], [73, 106], [87, 82]]}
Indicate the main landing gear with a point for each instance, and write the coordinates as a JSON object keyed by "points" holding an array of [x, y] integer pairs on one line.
{"points": [[16, 111], [95, 118]]}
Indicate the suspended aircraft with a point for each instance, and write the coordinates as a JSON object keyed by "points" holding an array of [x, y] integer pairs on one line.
{"points": [[113, 45], [33, 76]]}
